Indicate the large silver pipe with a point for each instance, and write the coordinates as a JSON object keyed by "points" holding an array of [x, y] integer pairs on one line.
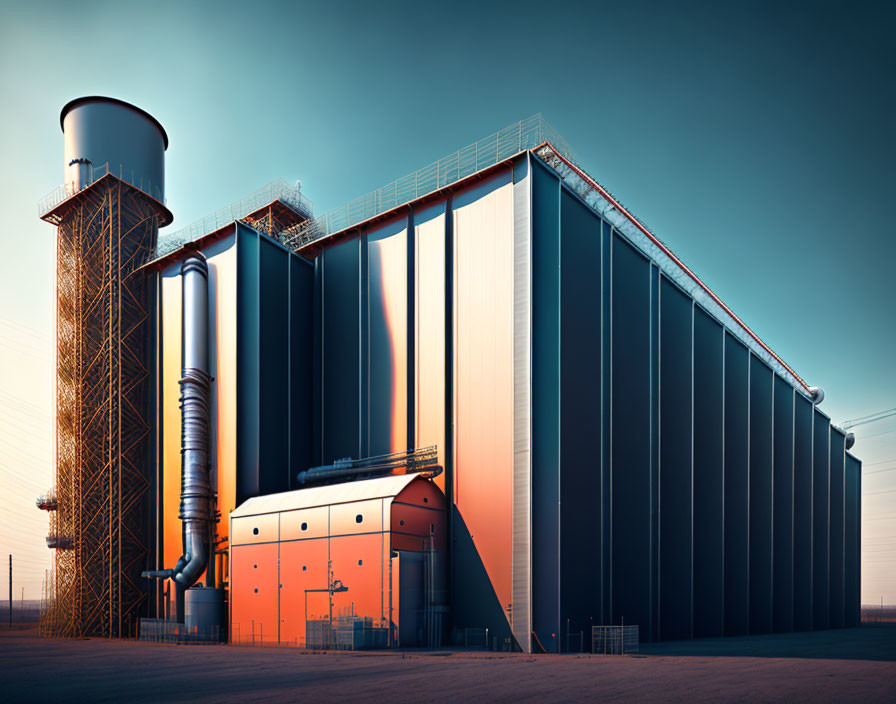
{"points": [[195, 493], [195, 490]]}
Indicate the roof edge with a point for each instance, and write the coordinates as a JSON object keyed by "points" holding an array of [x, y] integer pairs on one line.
{"points": [[72, 104]]}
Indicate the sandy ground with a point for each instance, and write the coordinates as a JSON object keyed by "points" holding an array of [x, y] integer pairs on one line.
{"points": [[854, 665]]}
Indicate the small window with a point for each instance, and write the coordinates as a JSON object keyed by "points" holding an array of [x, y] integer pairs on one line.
{"points": [[401, 523], [304, 567], [255, 531], [425, 500], [359, 518], [432, 527], [254, 567], [360, 562], [304, 526], [256, 590]]}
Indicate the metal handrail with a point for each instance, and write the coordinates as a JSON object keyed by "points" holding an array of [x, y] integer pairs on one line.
{"points": [[520, 136], [279, 189], [61, 193]]}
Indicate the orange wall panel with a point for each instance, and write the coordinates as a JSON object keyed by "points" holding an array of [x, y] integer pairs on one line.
{"points": [[255, 529], [344, 517], [254, 591], [303, 565], [172, 543], [416, 522], [358, 562], [305, 523]]}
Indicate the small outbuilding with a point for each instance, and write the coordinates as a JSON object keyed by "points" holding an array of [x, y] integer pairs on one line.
{"points": [[352, 565]]}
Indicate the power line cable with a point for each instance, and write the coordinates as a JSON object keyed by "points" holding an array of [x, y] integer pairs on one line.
{"points": [[870, 418], [865, 437]]}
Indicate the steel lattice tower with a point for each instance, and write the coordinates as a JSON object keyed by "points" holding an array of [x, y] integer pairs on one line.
{"points": [[106, 232]]}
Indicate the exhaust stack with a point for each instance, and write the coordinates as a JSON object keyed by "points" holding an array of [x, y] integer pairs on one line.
{"points": [[195, 492]]}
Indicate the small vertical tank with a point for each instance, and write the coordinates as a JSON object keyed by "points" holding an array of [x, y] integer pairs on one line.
{"points": [[102, 131]]}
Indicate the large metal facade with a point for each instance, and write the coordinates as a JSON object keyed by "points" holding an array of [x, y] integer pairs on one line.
{"points": [[679, 482], [101, 528], [613, 451]]}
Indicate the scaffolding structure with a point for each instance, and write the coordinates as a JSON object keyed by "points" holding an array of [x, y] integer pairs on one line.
{"points": [[99, 527]]}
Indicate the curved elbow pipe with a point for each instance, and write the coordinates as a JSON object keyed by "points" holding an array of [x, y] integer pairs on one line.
{"points": [[850, 440], [816, 394], [195, 557]]}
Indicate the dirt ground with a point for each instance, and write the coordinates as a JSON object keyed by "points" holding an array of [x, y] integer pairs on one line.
{"points": [[853, 665]]}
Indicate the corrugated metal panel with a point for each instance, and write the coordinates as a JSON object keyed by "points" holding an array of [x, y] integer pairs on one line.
{"points": [[546, 404], [802, 514], [483, 402], [429, 331], [709, 472], [821, 468], [837, 528], [380, 487], [578, 377], [761, 390], [521, 588], [737, 487], [782, 493], [675, 482], [387, 306], [631, 401]]}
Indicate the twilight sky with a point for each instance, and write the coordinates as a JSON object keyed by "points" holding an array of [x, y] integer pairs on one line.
{"points": [[756, 140]]}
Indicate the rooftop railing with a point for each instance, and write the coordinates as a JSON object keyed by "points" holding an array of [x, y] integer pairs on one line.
{"points": [[520, 136], [91, 174], [275, 190]]}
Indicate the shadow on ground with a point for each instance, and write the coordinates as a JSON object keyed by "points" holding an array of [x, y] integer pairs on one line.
{"points": [[873, 641]]}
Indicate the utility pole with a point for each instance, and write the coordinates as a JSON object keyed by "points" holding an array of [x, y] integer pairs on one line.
{"points": [[10, 590]]}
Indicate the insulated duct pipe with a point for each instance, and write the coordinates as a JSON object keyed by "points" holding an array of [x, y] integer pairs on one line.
{"points": [[422, 461], [195, 491]]}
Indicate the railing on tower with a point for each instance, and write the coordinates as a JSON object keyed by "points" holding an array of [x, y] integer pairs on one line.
{"points": [[518, 137]]}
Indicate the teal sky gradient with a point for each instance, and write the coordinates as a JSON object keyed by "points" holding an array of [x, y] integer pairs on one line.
{"points": [[756, 139]]}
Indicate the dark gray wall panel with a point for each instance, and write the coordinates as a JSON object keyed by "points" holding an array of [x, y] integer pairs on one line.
{"points": [[852, 547], [248, 360], [341, 351], [301, 341], [654, 629], [675, 577], [782, 492], [761, 388], [606, 415], [837, 503], [546, 407], [821, 521], [273, 426], [580, 391], [709, 548], [737, 488], [317, 431], [631, 398], [802, 514]]}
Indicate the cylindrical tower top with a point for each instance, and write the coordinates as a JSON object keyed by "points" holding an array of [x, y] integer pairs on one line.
{"points": [[100, 131]]}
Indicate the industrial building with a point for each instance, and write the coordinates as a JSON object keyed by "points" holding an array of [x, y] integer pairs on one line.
{"points": [[485, 396]]}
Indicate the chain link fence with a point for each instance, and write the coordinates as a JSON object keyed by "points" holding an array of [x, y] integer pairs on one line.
{"points": [[614, 640]]}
